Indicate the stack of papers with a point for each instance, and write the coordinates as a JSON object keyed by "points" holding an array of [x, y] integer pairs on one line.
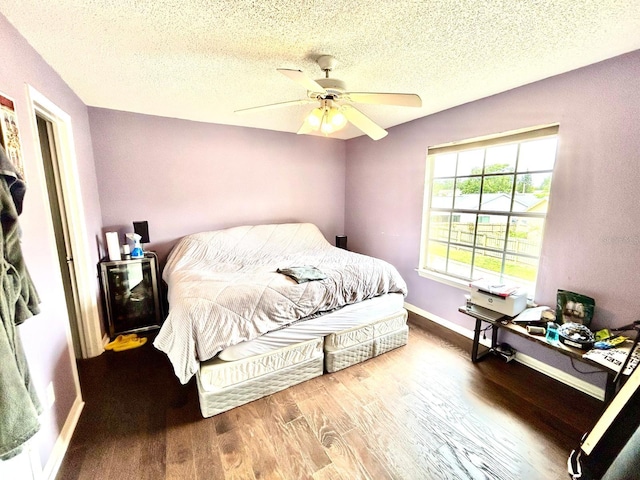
{"points": [[615, 357], [501, 290], [531, 315]]}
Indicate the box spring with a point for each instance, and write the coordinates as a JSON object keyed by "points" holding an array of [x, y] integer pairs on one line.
{"points": [[224, 385], [346, 348]]}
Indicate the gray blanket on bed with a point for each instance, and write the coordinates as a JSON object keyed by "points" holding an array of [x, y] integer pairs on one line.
{"points": [[303, 274]]}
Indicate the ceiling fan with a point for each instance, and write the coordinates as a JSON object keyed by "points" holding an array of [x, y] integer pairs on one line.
{"points": [[335, 107]]}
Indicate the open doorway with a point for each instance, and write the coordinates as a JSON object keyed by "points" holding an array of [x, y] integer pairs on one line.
{"points": [[60, 225], [77, 268]]}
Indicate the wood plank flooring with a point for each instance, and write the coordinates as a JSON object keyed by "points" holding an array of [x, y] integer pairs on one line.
{"points": [[423, 411]]}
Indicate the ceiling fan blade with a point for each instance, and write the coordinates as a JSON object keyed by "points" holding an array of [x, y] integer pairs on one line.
{"points": [[363, 122], [300, 78], [290, 103], [399, 99]]}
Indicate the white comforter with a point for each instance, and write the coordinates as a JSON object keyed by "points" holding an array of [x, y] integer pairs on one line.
{"points": [[224, 289]]}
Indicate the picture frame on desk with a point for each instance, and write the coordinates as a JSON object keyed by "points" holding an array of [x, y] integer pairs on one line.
{"points": [[574, 307]]}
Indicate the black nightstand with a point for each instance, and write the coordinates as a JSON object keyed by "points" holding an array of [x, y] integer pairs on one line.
{"points": [[131, 295]]}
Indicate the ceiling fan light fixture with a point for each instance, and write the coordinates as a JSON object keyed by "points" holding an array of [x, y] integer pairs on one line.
{"points": [[326, 119], [314, 119], [337, 118], [327, 128]]}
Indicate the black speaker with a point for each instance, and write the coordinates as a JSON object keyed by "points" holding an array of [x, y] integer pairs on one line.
{"points": [[142, 229], [341, 241]]}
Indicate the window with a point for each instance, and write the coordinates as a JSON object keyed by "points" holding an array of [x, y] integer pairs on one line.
{"points": [[485, 207]]}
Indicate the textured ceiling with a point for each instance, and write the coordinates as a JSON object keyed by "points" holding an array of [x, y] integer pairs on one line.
{"points": [[203, 59]]}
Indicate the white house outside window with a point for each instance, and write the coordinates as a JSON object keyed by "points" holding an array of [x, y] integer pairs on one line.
{"points": [[485, 206]]}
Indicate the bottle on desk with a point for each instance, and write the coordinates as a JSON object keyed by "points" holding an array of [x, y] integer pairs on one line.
{"points": [[552, 332]]}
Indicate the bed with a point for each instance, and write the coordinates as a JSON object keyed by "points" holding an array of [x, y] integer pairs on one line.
{"points": [[256, 309]]}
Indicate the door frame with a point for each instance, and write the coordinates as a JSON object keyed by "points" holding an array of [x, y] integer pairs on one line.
{"points": [[88, 318]]}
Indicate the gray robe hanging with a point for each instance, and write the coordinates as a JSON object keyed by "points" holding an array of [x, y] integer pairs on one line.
{"points": [[19, 404]]}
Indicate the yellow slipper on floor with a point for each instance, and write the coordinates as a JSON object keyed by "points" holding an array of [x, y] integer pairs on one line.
{"points": [[120, 339], [134, 343]]}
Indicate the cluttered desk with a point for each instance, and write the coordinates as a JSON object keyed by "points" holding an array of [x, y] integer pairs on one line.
{"points": [[505, 308]]}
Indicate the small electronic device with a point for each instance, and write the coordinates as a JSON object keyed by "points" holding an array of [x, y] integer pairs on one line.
{"points": [[505, 352], [142, 229]]}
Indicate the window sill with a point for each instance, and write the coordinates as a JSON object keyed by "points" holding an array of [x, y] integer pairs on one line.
{"points": [[438, 277]]}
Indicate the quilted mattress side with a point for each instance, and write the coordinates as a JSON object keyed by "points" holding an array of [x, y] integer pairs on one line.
{"points": [[217, 374], [335, 360], [363, 334], [212, 403]]}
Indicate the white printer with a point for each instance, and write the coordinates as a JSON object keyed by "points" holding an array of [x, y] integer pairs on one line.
{"points": [[507, 301]]}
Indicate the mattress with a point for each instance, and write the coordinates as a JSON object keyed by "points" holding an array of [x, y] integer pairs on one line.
{"points": [[218, 374], [347, 318]]}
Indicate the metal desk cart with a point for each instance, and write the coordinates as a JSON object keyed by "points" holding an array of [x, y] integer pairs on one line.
{"points": [[131, 294]]}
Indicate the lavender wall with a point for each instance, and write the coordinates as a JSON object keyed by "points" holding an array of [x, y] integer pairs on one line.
{"points": [[593, 229], [185, 177], [45, 336]]}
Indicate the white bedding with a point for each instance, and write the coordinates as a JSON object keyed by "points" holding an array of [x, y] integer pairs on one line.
{"points": [[224, 289], [342, 319]]}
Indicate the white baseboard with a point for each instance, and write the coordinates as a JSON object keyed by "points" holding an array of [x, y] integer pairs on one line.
{"points": [[62, 443], [25, 465], [527, 360]]}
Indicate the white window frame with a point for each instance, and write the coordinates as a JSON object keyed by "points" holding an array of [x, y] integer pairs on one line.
{"points": [[457, 147]]}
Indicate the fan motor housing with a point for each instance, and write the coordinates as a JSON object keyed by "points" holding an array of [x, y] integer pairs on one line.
{"points": [[332, 85]]}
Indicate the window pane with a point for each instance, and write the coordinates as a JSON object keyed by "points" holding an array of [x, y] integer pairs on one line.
{"points": [[532, 192], [496, 193], [487, 265], [537, 155], [470, 162], [525, 235], [501, 158], [439, 226], [521, 271], [468, 201], [442, 193], [462, 228], [492, 232], [468, 185], [437, 256], [444, 165], [459, 262]]}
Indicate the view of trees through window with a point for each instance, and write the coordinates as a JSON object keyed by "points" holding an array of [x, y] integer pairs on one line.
{"points": [[486, 210]]}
